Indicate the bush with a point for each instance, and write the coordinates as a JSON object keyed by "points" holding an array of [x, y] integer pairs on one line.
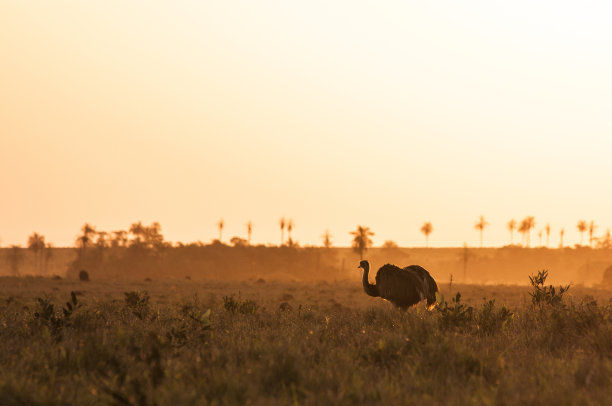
{"points": [[456, 314], [232, 305], [545, 294], [84, 276]]}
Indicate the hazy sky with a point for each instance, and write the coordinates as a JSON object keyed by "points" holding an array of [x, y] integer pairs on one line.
{"points": [[386, 114]]}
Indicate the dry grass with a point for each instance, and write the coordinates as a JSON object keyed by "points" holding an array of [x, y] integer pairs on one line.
{"points": [[308, 343]]}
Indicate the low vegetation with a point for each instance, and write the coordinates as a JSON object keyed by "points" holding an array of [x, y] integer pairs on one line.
{"points": [[120, 344]]}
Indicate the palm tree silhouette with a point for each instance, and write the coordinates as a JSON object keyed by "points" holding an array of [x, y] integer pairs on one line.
{"points": [[289, 229], [592, 228], [525, 229], [511, 226], [327, 242], [582, 227], [249, 232], [540, 237], [220, 225], [480, 225], [561, 234], [531, 224], [361, 240], [426, 229], [86, 237], [547, 229], [282, 227]]}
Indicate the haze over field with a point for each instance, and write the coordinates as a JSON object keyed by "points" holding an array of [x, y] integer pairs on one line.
{"points": [[331, 114]]}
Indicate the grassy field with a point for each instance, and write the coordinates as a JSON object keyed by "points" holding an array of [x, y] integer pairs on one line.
{"points": [[185, 342]]}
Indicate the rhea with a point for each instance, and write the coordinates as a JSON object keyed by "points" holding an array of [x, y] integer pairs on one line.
{"points": [[404, 287]]}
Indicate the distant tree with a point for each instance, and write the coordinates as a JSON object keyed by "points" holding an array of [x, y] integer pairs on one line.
{"points": [[361, 240], [582, 227], [36, 243], [238, 242], [249, 232], [531, 222], [547, 229], [525, 227], [592, 228], [389, 245], [147, 237], [220, 225], [15, 258], [289, 229], [48, 256], [427, 229], [85, 239], [102, 239], [282, 227], [540, 236], [153, 237], [605, 242], [480, 226], [119, 238], [511, 226], [561, 234], [327, 239]]}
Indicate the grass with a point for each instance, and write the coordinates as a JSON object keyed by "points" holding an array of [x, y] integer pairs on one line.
{"points": [[181, 342]]}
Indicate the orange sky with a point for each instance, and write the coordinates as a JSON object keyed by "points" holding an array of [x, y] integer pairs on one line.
{"points": [[331, 114]]}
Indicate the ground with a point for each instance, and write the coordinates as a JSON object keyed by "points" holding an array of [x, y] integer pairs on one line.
{"points": [[262, 342]]}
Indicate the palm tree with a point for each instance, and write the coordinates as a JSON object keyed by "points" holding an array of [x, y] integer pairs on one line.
{"points": [[36, 243], [426, 229], [540, 237], [220, 225], [511, 226], [561, 234], [531, 224], [289, 229], [525, 227], [361, 240], [480, 225], [86, 238], [327, 242], [249, 232], [592, 228], [547, 229], [582, 227], [282, 227]]}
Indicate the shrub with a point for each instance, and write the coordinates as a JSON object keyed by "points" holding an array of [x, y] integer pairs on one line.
{"points": [[545, 294], [456, 314], [84, 275], [490, 319], [232, 305], [138, 303]]}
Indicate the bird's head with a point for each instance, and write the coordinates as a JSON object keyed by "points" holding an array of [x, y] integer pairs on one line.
{"points": [[364, 265]]}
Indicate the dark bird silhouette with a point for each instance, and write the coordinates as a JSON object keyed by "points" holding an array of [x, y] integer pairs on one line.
{"points": [[402, 287]]}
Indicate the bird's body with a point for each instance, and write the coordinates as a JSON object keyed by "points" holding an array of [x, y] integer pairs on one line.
{"points": [[402, 287]]}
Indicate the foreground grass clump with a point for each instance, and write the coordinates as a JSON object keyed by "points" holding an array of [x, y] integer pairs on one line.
{"points": [[136, 348]]}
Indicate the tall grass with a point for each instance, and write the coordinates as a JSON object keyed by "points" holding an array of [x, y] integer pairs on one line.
{"points": [[86, 349]]}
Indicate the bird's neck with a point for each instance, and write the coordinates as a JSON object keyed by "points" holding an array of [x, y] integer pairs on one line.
{"points": [[369, 288]]}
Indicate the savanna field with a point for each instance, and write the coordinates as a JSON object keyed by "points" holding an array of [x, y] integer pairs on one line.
{"points": [[183, 342]]}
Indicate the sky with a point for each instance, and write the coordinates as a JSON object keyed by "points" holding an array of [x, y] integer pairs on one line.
{"points": [[334, 114]]}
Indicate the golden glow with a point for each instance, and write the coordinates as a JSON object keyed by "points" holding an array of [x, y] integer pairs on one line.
{"points": [[331, 113]]}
